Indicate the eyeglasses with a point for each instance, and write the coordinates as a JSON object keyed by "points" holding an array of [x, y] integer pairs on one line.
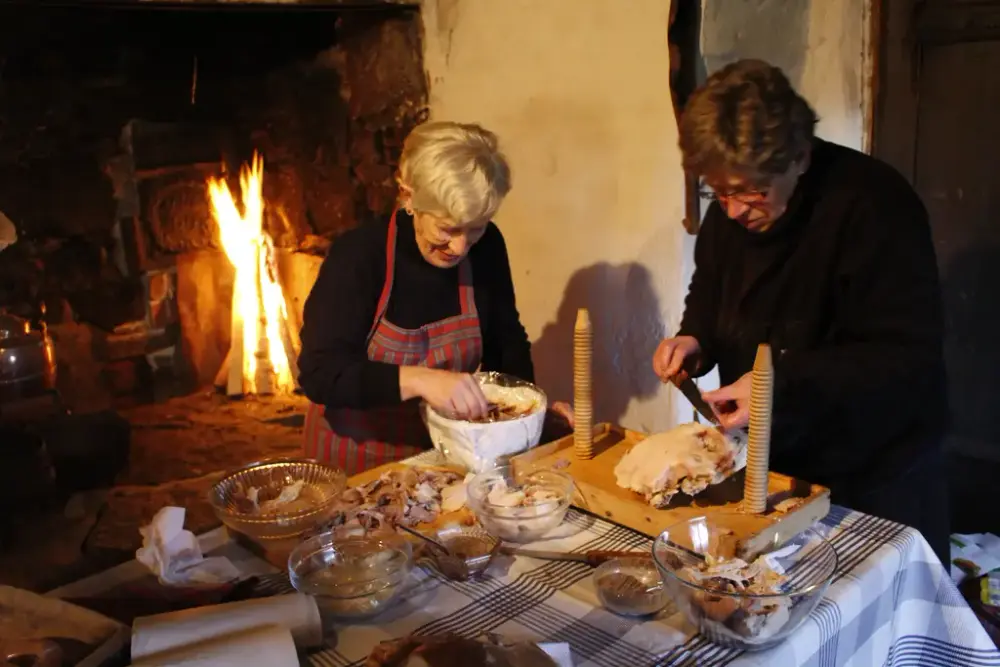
{"points": [[747, 197]]}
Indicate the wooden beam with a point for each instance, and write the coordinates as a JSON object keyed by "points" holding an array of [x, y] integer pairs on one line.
{"points": [[682, 36], [234, 373]]}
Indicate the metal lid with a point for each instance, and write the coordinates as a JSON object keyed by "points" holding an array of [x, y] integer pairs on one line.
{"points": [[12, 326]]}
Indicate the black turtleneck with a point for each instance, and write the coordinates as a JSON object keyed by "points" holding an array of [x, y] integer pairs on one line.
{"points": [[334, 369], [844, 287]]}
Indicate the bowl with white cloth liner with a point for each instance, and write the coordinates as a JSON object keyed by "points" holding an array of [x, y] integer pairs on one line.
{"points": [[514, 424]]}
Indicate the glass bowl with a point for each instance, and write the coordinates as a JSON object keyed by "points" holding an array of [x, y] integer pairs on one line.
{"points": [[472, 545], [519, 523], [742, 620], [630, 586], [354, 578], [231, 499]]}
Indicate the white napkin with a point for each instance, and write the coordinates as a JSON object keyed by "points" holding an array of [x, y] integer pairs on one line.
{"points": [[174, 555], [560, 653]]}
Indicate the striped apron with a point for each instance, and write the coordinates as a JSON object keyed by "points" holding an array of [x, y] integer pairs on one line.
{"points": [[356, 440]]}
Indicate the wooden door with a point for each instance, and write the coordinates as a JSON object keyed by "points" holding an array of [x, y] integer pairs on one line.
{"points": [[938, 122]]}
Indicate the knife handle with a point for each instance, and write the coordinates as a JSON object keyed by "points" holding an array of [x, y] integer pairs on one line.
{"points": [[595, 558]]}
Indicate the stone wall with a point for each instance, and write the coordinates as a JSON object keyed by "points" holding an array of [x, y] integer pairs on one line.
{"points": [[110, 124]]}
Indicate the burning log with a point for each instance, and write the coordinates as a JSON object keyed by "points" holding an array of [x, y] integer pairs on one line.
{"points": [[262, 355]]}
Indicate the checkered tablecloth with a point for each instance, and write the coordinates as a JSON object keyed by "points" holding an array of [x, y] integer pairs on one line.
{"points": [[890, 604]]}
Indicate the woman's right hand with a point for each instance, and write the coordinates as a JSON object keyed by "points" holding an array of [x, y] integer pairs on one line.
{"points": [[452, 394], [674, 355]]}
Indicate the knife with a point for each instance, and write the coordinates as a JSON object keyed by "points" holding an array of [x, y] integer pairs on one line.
{"points": [[691, 393], [592, 558]]}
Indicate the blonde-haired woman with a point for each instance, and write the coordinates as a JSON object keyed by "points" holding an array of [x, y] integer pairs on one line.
{"points": [[407, 308]]}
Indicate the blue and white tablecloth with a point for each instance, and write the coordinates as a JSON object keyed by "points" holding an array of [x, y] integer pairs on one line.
{"points": [[891, 604]]}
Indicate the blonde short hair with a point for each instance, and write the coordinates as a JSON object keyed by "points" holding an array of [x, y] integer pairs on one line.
{"points": [[454, 171]]}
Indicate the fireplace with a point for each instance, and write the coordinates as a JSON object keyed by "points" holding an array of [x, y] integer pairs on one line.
{"points": [[164, 161]]}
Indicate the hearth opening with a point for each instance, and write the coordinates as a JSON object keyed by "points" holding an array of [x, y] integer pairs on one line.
{"points": [[173, 174]]}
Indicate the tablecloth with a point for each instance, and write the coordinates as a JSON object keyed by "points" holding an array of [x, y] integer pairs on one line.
{"points": [[891, 603]]}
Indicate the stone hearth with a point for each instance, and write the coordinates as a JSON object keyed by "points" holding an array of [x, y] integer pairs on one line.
{"points": [[111, 129], [178, 449]]}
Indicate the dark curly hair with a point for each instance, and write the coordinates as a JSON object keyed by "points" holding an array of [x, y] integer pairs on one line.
{"points": [[746, 119]]}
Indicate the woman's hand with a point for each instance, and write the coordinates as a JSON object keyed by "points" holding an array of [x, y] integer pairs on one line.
{"points": [[456, 395], [673, 354], [564, 410], [558, 422], [732, 403]]}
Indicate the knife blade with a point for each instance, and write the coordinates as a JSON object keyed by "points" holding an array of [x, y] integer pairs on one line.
{"points": [[592, 558], [693, 395]]}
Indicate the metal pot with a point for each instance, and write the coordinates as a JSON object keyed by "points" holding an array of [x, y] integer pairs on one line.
{"points": [[27, 360]]}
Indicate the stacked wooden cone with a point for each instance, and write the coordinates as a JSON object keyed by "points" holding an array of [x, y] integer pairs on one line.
{"points": [[759, 445], [583, 406]]}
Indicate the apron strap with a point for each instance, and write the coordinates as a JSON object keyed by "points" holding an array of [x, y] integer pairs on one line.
{"points": [[466, 289], [390, 266]]}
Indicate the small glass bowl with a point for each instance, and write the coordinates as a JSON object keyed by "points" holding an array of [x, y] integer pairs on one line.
{"points": [[520, 524], [354, 578], [474, 546], [229, 500], [742, 620], [630, 586]]}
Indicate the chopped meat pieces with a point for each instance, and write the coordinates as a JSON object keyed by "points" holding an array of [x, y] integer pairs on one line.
{"points": [[753, 619], [408, 496]]}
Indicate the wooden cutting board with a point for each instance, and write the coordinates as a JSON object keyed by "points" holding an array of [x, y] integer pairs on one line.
{"points": [[276, 552], [600, 494]]}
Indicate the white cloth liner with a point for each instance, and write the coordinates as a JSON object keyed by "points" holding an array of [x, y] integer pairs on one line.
{"points": [[476, 447]]}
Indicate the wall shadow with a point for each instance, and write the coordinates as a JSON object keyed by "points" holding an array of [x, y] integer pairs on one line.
{"points": [[627, 322]]}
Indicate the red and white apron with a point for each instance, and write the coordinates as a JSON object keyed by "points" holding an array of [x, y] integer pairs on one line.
{"points": [[356, 440]]}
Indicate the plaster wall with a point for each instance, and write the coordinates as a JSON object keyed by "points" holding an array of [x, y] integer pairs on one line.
{"points": [[578, 92]]}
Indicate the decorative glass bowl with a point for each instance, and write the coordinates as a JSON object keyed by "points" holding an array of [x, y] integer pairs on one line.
{"points": [[233, 497]]}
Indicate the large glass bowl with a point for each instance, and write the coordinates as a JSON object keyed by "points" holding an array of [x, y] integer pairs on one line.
{"points": [[520, 524], [742, 620], [323, 485], [352, 578]]}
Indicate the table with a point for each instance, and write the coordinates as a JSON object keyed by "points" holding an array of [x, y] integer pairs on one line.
{"points": [[891, 603]]}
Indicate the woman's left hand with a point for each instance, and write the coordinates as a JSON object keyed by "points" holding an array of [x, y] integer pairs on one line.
{"points": [[732, 403], [564, 410]]}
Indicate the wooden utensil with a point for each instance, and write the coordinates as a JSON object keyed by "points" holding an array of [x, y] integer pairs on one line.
{"points": [[583, 397], [759, 444], [592, 558]]}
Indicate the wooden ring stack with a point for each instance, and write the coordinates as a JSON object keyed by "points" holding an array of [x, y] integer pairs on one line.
{"points": [[583, 405], [759, 445]]}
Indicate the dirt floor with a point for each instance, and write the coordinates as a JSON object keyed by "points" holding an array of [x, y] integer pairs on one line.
{"points": [[178, 449]]}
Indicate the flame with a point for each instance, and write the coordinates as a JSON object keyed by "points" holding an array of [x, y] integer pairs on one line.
{"points": [[258, 300]]}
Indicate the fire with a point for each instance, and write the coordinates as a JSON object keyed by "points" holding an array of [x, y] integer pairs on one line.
{"points": [[261, 357]]}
